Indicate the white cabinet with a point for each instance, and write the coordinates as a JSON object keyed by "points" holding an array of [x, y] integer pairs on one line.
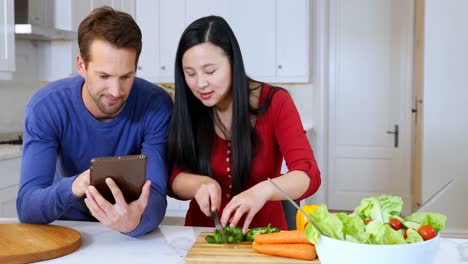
{"points": [[83, 8], [273, 35], [9, 182], [292, 40], [176, 208], [37, 12], [161, 23], [254, 24], [7, 40]]}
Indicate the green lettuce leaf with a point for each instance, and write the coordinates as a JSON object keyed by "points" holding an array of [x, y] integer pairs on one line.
{"points": [[436, 220], [412, 236], [330, 224], [380, 209]]}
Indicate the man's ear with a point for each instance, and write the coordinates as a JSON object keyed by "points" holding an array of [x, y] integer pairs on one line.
{"points": [[80, 65]]}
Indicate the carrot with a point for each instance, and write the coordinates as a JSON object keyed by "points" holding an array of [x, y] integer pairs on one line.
{"points": [[284, 237], [297, 251]]}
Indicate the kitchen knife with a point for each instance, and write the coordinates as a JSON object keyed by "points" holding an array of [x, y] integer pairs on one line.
{"points": [[295, 205], [218, 225]]}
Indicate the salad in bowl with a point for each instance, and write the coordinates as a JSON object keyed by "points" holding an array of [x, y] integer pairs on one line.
{"points": [[375, 232]]}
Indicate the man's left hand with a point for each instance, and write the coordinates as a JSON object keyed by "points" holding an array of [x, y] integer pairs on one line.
{"points": [[120, 216]]}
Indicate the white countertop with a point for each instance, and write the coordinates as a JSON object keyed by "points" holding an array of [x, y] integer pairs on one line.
{"points": [[170, 244], [10, 151]]}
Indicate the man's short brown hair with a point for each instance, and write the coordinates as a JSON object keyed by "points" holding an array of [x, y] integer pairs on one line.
{"points": [[116, 27]]}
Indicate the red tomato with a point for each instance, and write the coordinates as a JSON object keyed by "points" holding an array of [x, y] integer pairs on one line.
{"points": [[367, 221], [427, 232], [395, 224]]}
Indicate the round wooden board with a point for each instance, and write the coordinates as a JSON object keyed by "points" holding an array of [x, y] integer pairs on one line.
{"points": [[21, 243]]}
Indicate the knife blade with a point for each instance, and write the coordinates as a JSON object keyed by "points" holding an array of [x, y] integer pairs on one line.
{"points": [[295, 205], [218, 225], [435, 196]]}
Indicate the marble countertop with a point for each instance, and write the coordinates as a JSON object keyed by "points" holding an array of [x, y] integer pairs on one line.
{"points": [[170, 244], [10, 151]]}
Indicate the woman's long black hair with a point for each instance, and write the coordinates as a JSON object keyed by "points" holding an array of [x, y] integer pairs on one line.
{"points": [[192, 131]]}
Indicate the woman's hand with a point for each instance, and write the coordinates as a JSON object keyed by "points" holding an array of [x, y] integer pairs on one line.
{"points": [[208, 196], [248, 202]]}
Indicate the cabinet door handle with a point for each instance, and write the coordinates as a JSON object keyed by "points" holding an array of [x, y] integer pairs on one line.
{"points": [[395, 133]]}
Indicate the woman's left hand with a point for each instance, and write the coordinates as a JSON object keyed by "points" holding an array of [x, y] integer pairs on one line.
{"points": [[248, 202]]}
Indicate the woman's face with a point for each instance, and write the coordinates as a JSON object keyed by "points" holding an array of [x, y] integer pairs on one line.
{"points": [[207, 71]]}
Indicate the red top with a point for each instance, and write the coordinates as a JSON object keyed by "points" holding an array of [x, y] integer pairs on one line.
{"points": [[279, 133]]}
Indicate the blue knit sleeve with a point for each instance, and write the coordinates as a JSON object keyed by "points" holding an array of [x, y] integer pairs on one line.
{"points": [[39, 199], [157, 122]]}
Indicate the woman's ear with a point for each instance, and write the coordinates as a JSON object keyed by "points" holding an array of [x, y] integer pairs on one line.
{"points": [[81, 65]]}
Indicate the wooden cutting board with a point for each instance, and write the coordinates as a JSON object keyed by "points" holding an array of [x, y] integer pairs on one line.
{"points": [[21, 243], [203, 252]]}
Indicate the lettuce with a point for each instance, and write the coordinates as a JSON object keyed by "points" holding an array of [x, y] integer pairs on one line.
{"points": [[380, 210], [412, 236], [436, 220]]}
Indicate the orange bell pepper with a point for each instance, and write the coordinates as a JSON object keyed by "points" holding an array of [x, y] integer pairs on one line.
{"points": [[301, 220]]}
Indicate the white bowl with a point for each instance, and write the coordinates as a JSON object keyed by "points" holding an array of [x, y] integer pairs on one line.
{"points": [[331, 251]]}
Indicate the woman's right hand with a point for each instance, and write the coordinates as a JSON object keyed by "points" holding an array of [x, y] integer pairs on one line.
{"points": [[208, 196]]}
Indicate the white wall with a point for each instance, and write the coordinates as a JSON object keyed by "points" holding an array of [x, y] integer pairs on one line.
{"points": [[445, 125], [311, 98]]}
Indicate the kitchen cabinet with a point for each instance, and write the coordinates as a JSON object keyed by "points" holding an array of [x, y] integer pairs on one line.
{"points": [[161, 23], [273, 35], [176, 208], [37, 12], [7, 40], [9, 181], [82, 8]]}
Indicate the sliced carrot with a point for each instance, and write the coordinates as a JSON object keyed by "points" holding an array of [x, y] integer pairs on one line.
{"points": [[284, 237], [297, 251]]}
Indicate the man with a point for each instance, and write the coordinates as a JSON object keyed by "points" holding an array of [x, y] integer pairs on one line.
{"points": [[106, 111]]}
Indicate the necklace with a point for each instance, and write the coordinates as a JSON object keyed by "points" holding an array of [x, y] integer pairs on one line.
{"points": [[221, 126]]}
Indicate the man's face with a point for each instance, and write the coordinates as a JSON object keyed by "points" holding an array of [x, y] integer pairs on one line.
{"points": [[108, 76]]}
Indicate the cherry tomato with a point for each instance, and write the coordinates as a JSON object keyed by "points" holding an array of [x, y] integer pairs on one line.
{"points": [[395, 224], [427, 232], [367, 221]]}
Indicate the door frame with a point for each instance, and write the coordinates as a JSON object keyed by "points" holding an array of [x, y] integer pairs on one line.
{"points": [[416, 184]]}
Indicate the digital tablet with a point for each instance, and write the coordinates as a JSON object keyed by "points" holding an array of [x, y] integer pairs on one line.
{"points": [[128, 172]]}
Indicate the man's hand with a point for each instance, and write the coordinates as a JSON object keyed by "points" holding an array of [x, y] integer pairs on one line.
{"points": [[120, 216], [81, 183]]}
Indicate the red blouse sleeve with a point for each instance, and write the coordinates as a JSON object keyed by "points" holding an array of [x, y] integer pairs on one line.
{"points": [[293, 142]]}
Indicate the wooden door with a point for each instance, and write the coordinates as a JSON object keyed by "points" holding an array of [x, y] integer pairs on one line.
{"points": [[371, 44]]}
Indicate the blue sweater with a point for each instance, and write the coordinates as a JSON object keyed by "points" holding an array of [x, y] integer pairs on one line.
{"points": [[61, 137]]}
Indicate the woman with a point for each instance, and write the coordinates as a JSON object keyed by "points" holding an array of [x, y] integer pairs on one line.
{"points": [[229, 134]]}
